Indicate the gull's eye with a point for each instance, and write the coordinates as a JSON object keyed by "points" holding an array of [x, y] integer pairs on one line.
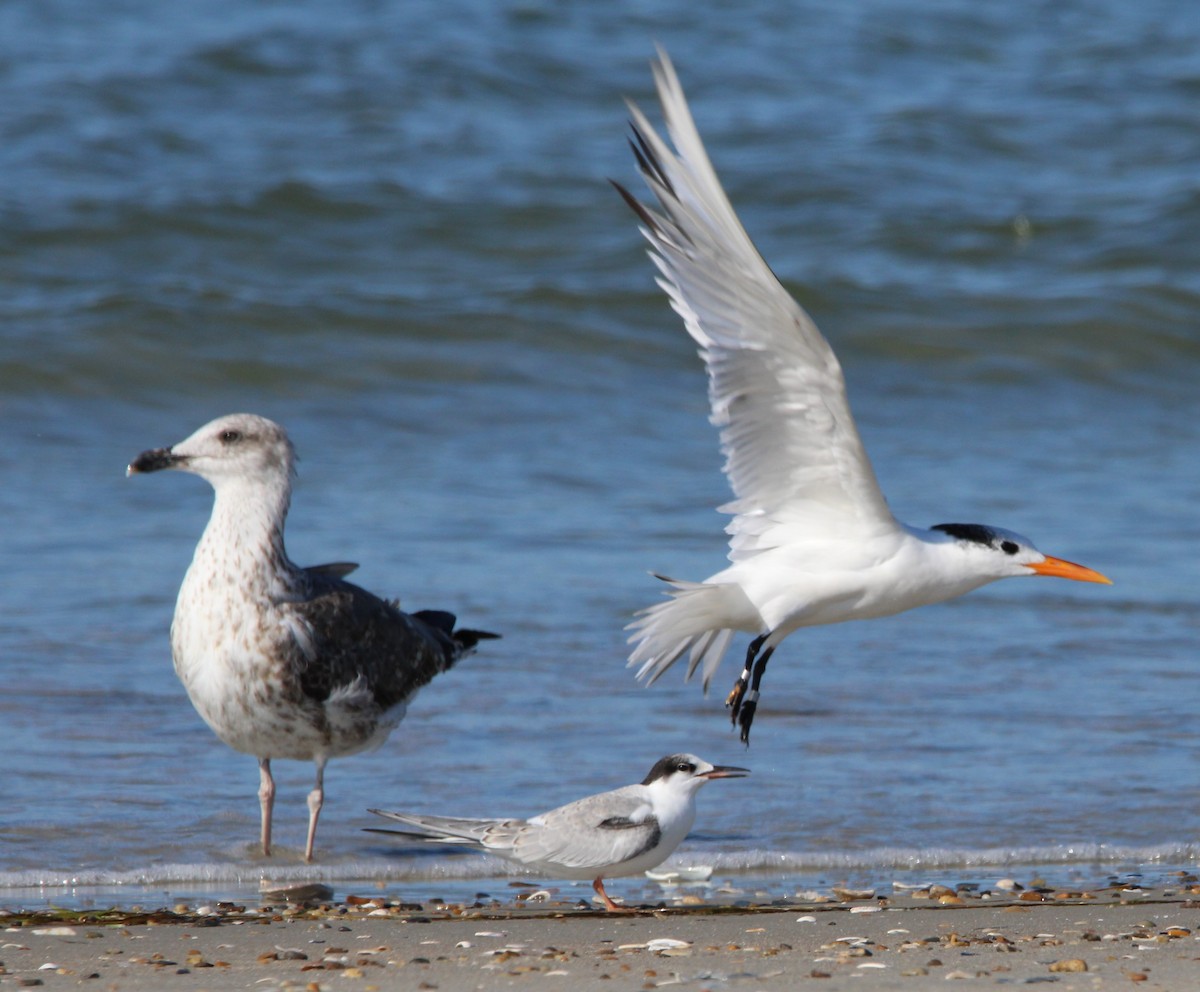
{"points": [[230, 437], [1009, 547]]}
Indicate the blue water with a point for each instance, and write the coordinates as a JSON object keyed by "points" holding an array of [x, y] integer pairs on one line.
{"points": [[387, 225]]}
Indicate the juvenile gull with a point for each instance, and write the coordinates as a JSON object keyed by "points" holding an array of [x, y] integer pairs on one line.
{"points": [[624, 832], [812, 538], [283, 661]]}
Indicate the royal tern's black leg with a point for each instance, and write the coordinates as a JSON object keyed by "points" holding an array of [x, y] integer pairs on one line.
{"points": [[734, 699], [750, 700]]}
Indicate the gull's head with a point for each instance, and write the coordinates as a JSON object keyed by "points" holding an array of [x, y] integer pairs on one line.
{"points": [[686, 773], [998, 553], [240, 446]]}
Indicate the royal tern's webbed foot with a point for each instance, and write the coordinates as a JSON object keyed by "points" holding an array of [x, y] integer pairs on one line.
{"points": [[750, 698], [746, 717], [734, 700]]}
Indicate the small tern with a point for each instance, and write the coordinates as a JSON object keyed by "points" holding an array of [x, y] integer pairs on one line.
{"points": [[282, 661], [623, 832], [812, 538]]}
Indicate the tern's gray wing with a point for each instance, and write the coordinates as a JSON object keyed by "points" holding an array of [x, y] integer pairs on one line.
{"points": [[793, 453], [598, 832], [338, 633]]}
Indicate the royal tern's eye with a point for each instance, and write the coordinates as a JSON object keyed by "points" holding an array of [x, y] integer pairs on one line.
{"points": [[1009, 547], [685, 766]]}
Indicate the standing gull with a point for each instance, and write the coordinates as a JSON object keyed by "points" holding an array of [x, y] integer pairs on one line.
{"points": [[812, 539], [283, 661], [624, 832]]}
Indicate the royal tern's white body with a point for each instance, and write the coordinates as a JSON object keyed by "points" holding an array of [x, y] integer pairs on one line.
{"points": [[283, 661], [812, 538], [624, 832]]}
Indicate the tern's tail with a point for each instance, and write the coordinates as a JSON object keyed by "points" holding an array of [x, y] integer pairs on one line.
{"points": [[698, 620], [439, 829]]}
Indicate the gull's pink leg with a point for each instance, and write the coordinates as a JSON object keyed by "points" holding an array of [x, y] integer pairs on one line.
{"points": [[316, 799], [266, 799]]}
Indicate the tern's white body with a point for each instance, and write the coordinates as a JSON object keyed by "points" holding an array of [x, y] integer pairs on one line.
{"points": [[623, 832], [812, 540], [806, 584]]}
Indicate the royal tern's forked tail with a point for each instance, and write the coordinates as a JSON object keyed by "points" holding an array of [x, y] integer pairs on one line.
{"points": [[812, 540], [623, 832]]}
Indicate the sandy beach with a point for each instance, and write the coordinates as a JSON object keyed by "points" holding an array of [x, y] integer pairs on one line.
{"points": [[1104, 939]]}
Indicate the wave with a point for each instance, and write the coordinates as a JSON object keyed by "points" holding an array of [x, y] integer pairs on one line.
{"points": [[783, 871]]}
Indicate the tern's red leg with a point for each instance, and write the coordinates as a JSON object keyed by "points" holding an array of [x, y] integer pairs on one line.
{"points": [[609, 905]]}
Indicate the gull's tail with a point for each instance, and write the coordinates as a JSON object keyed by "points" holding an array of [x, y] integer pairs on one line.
{"points": [[698, 620], [464, 638]]}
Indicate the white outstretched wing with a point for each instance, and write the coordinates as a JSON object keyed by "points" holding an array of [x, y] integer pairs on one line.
{"points": [[793, 454]]}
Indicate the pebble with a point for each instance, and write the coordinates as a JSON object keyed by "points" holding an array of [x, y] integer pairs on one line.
{"points": [[666, 944], [1069, 964]]}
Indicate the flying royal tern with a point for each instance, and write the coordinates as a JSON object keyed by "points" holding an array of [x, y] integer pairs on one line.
{"points": [[624, 832], [283, 661], [812, 538]]}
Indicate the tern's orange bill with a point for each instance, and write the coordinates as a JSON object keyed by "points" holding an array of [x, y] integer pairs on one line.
{"points": [[1062, 569], [725, 771]]}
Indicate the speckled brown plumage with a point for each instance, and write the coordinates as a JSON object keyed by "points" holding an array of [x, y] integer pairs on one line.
{"points": [[279, 660]]}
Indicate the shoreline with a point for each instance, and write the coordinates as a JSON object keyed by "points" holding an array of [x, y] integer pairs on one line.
{"points": [[1094, 939]]}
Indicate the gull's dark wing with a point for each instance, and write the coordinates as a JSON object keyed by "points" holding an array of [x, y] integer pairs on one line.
{"points": [[339, 633]]}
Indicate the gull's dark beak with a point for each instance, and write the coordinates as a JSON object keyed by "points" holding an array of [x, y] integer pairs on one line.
{"points": [[726, 771], [154, 460]]}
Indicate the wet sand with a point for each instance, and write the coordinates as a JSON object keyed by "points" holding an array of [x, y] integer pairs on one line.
{"points": [[1108, 939]]}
